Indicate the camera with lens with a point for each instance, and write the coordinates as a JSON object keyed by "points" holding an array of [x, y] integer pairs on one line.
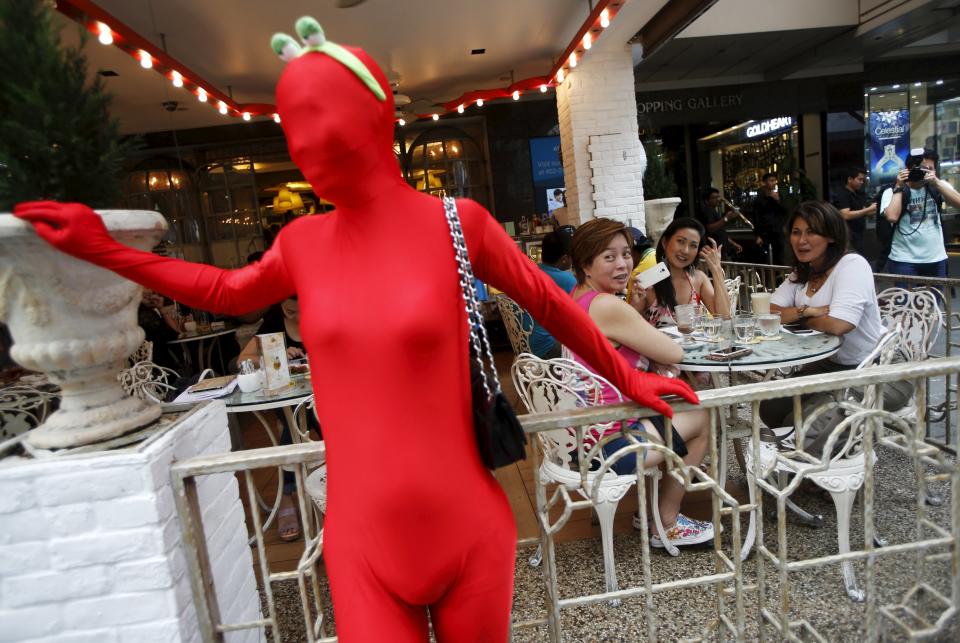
{"points": [[917, 173]]}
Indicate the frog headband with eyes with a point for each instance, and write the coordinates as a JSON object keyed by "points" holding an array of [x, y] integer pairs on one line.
{"points": [[311, 33]]}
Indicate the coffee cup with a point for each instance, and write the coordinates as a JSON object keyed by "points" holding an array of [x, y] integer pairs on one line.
{"points": [[760, 303]]}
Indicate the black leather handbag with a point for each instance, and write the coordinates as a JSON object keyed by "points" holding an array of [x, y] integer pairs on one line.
{"points": [[500, 437]]}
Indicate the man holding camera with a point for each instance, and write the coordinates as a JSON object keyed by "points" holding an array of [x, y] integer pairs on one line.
{"points": [[912, 206]]}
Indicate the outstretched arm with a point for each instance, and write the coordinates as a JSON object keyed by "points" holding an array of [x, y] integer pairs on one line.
{"points": [[497, 261], [76, 230]]}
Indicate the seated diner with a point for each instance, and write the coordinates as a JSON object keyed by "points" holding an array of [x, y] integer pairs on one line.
{"points": [[602, 263], [830, 290], [682, 243]]}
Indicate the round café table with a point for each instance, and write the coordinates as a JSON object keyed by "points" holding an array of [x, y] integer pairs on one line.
{"points": [[766, 357], [286, 399], [204, 350]]}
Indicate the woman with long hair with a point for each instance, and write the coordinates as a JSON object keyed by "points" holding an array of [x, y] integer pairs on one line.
{"points": [[830, 290], [602, 261], [682, 243]]}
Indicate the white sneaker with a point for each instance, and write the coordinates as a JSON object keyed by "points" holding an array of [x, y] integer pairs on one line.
{"points": [[685, 531]]}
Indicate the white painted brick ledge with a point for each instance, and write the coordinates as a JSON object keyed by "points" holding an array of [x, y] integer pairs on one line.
{"points": [[90, 546]]}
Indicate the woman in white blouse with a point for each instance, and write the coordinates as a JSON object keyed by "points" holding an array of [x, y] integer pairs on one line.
{"points": [[830, 290]]}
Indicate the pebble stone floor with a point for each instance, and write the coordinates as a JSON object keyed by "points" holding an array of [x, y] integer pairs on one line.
{"points": [[817, 594]]}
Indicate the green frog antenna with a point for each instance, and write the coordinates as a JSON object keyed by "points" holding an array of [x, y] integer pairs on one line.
{"points": [[311, 33]]}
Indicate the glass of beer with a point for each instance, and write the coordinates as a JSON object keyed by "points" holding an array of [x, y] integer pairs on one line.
{"points": [[686, 315]]}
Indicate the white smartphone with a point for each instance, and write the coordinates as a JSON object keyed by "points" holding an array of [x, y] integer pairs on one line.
{"points": [[654, 275]]}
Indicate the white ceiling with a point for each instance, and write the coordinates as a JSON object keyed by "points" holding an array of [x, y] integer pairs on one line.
{"points": [[426, 42]]}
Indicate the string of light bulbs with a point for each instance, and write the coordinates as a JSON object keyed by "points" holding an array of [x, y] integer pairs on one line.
{"points": [[110, 31]]}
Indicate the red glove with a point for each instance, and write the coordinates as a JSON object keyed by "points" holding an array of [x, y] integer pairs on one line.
{"points": [[77, 230], [647, 388], [72, 228]]}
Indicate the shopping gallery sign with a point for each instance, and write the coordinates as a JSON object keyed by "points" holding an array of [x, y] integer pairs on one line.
{"points": [[693, 103]]}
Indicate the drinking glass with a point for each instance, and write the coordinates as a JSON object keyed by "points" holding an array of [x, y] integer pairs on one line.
{"points": [[685, 314], [203, 322], [711, 328], [744, 326], [702, 314], [769, 325]]}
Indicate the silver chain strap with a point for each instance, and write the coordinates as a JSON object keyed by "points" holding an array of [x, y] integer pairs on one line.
{"points": [[478, 332]]}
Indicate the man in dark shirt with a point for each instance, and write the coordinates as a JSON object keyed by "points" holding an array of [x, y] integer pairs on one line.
{"points": [[852, 203], [715, 220], [768, 221]]}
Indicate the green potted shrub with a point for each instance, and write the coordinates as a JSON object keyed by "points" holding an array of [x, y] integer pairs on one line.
{"points": [[57, 139], [659, 191]]}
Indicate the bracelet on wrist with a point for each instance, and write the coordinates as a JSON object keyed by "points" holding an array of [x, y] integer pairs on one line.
{"points": [[802, 310]]}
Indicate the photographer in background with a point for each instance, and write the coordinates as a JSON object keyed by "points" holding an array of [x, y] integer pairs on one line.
{"points": [[912, 206]]}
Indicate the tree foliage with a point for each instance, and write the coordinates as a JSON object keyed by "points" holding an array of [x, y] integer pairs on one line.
{"points": [[658, 183], [57, 139]]}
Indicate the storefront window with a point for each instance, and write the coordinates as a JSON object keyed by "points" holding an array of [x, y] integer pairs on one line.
{"points": [[907, 115], [735, 159], [446, 161], [167, 186]]}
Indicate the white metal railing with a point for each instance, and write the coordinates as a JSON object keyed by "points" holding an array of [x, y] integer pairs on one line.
{"points": [[737, 604]]}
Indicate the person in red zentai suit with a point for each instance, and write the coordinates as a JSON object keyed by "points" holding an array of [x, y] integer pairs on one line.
{"points": [[414, 518]]}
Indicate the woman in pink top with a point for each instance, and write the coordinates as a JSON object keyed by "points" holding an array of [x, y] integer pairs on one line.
{"points": [[682, 243], [602, 262]]}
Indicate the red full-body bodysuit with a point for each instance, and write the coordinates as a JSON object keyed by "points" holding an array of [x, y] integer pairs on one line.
{"points": [[414, 519]]}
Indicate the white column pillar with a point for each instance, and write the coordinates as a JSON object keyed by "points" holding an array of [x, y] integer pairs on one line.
{"points": [[603, 160]]}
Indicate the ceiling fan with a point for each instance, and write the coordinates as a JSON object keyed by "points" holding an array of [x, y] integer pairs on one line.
{"points": [[346, 4]]}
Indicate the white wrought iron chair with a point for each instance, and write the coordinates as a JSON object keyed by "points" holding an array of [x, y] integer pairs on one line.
{"points": [[919, 315], [144, 353], [149, 381], [519, 324], [22, 408], [316, 480], [733, 292], [840, 471], [560, 384]]}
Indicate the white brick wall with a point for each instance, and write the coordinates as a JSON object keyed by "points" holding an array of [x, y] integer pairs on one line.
{"points": [[90, 546], [603, 160]]}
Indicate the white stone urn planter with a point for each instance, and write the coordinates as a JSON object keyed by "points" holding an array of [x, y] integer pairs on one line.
{"points": [[658, 215], [77, 323]]}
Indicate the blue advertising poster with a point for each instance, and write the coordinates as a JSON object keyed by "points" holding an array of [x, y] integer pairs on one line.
{"points": [[545, 159], [889, 144]]}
